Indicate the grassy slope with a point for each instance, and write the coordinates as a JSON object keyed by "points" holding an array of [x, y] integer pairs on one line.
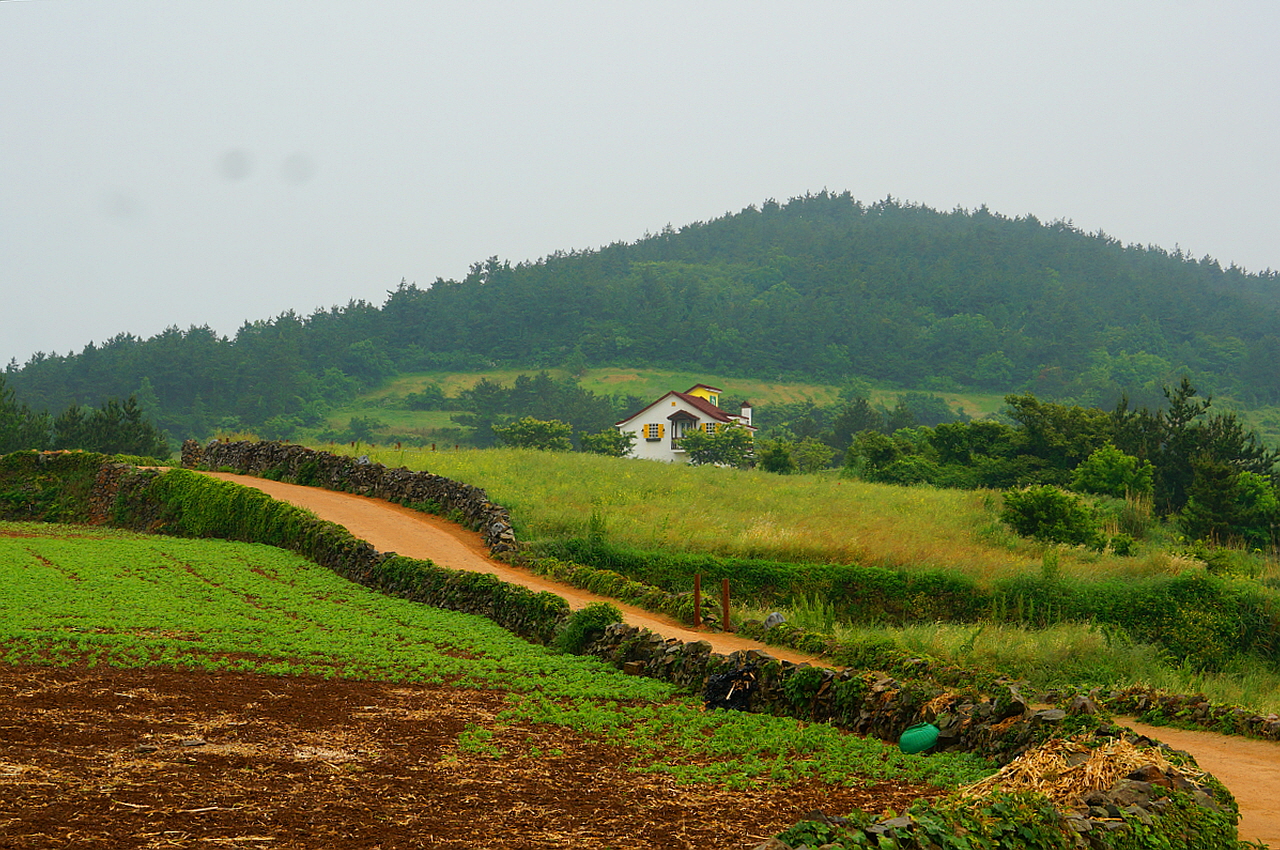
{"points": [[829, 519], [642, 382], [818, 518], [69, 594]]}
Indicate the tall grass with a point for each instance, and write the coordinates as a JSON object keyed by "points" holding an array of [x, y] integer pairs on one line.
{"points": [[821, 518], [1064, 655]]}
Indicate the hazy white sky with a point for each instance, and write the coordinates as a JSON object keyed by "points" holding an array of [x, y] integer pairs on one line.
{"points": [[176, 163]]}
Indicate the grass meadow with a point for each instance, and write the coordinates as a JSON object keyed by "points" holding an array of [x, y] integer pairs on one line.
{"points": [[821, 518], [828, 519], [381, 403], [73, 595], [1062, 655]]}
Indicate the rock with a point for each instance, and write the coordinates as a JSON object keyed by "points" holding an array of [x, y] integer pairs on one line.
{"points": [[1130, 791], [774, 619], [1082, 705], [1205, 800], [773, 844], [1079, 824], [1140, 813]]}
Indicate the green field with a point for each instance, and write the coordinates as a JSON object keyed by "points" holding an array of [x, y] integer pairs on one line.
{"points": [[822, 518], [72, 595], [383, 403]]}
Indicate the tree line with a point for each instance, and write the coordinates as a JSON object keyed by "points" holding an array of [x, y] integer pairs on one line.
{"points": [[821, 287], [114, 427]]}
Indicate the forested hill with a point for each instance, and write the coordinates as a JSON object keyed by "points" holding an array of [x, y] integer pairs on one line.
{"points": [[820, 287]]}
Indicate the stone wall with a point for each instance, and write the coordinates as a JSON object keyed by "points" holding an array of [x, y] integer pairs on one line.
{"points": [[301, 465], [1189, 710], [1002, 726], [868, 703]]}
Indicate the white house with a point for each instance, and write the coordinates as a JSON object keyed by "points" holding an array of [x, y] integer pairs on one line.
{"points": [[659, 427]]}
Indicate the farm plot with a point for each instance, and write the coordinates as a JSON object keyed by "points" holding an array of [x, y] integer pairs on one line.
{"points": [[159, 691]]}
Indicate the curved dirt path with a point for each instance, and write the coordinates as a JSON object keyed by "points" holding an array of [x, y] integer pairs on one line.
{"points": [[394, 528], [1248, 767], [1251, 769]]}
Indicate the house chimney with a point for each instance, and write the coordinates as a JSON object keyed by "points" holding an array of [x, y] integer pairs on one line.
{"points": [[746, 413]]}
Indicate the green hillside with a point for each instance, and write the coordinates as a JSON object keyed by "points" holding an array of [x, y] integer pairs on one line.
{"points": [[818, 290]]}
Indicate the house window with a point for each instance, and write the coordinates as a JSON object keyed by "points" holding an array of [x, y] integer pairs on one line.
{"points": [[653, 432], [709, 427]]}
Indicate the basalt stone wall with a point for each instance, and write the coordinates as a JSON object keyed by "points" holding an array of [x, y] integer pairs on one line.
{"points": [[1000, 726], [868, 703], [301, 465], [1190, 710]]}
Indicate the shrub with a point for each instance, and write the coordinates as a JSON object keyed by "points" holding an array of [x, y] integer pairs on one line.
{"points": [[1052, 515], [775, 456], [530, 433], [1111, 472], [586, 625], [610, 442]]}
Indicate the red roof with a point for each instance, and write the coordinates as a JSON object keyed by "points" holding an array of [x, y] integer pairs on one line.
{"points": [[705, 406], [697, 402]]}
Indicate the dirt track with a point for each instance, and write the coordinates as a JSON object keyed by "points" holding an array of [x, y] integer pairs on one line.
{"points": [[394, 528], [1251, 769]]}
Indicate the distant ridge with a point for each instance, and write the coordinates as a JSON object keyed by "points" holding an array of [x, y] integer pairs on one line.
{"points": [[821, 287]]}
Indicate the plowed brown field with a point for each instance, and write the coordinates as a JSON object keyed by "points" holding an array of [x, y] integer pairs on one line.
{"points": [[105, 759]]}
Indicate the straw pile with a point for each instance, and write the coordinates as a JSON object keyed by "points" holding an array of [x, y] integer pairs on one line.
{"points": [[1066, 770]]}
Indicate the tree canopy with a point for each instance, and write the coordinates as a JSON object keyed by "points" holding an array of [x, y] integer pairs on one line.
{"points": [[820, 287]]}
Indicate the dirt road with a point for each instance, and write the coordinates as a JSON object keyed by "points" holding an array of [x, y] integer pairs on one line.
{"points": [[394, 528], [1251, 769]]}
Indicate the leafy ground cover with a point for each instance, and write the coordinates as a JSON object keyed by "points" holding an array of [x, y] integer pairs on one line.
{"points": [[98, 597]]}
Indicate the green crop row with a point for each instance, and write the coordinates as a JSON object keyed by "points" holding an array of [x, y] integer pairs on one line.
{"points": [[76, 595]]}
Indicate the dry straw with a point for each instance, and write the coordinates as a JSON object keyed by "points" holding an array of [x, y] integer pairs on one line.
{"points": [[1065, 770]]}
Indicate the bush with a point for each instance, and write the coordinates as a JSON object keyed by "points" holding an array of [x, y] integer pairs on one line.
{"points": [[528, 433], [586, 625], [775, 456], [1111, 472], [1052, 515], [610, 442]]}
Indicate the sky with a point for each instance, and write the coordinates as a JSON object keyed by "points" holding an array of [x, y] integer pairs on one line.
{"points": [[213, 162]]}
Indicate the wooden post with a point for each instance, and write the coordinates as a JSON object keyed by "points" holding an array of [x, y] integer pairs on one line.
{"points": [[697, 600], [724, 605]]}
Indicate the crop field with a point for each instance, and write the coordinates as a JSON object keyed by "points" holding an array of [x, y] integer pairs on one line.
{"points": [[168, 687]]}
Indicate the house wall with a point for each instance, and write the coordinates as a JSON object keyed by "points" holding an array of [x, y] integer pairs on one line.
{"points": [[657, 415]]}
